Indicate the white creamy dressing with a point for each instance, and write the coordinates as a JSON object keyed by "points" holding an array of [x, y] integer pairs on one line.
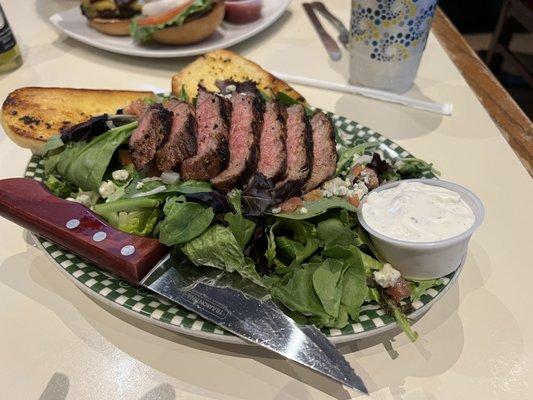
{"points": [[156, 7], [417, 212]]}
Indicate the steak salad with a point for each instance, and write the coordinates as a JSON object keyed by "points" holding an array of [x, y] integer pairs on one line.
{"points": [[259, 187]]}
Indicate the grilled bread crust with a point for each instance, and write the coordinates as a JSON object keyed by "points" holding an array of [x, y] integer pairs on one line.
{"points": [[32, 115]]}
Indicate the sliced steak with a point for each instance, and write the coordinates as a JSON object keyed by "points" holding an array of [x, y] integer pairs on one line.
{"points": [[272, 148], [212, 156], [299, 153], [154, 126], [324, 151], [246, 121], [181, 141]]}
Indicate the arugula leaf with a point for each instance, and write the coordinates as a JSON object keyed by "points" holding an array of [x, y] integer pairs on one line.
{"points": [[347, 155], [144, 33], [285, 99], [183, 221], [418, 288], [241, 227], [318, 207], [218, 248], [415, 168], [85, 163]]}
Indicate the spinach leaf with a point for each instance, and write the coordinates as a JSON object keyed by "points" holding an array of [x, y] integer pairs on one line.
{"points": [[354, 287], [294, 241], [183, 221], [318, 207], [85, 163], [296, 292], [334, 232], [328, 285], [218, 248]]}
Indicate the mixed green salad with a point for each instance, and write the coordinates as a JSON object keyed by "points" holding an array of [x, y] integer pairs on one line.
{"points": [[312, 255]]}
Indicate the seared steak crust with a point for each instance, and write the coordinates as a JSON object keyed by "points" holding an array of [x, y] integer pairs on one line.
{"points": [[213, 128], [299, 153], [181, 141], [246, 121], [324, 151], [272, 148], [154, 126]]}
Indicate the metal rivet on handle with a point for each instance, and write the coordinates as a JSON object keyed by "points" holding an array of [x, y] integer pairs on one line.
{"points": [[99, 236], [127, 250], [72, 223]]}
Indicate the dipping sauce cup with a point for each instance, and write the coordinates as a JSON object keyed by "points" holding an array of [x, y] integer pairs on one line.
{"points": [[426, 260]]}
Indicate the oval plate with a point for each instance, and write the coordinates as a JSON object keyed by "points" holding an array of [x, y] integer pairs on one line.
{"points": [[74, 24], [143, 304]]}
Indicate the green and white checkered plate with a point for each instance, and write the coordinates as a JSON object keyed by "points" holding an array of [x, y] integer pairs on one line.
{"points": [[143, 304]]}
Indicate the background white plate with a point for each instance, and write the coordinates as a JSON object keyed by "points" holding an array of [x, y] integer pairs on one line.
{"points": [[74, 24]]}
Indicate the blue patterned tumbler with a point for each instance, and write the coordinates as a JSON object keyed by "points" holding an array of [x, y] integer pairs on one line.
{"points": [[387, 40]]}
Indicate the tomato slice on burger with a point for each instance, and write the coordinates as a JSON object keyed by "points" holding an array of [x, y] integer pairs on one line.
{"points": [[163, 18]]}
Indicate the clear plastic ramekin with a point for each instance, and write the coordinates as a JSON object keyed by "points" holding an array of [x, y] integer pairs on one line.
{"points": [[426, 260]]}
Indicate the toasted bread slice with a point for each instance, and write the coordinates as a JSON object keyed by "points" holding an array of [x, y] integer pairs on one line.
{"points": [[31, 115], [226, 65]]}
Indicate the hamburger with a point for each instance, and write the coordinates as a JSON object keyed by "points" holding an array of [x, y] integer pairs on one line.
{"points": [[177, 22], [112, 17]]}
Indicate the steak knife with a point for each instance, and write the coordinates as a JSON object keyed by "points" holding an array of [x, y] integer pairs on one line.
{"points": [[242, 309], [329, 43]]}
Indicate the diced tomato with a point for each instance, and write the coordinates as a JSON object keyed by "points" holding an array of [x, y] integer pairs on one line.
{"points": [[313, 195], [124, 157], [400, 290], [291, 205], [356, 170], [354, 200], [164, 17]]}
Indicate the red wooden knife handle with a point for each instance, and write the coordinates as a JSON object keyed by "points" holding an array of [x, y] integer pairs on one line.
{"points": [[29, 204]]}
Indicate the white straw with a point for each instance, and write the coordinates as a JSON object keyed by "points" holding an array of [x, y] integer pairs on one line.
{"points": [[444, 109]]}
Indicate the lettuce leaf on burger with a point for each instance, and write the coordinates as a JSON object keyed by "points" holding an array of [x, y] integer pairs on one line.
{"points": [[177, 22]]}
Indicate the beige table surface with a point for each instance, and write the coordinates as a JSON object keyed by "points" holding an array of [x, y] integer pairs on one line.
{"points": [[476, 343]]}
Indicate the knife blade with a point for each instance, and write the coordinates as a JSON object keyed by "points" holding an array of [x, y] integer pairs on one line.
{"points": [[231, 303], [344, 35], [329, 43]]}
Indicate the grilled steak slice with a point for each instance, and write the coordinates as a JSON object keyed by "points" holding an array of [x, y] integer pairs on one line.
{"points": [[181, 141], [154, 126], [324, 151], [213, 128], [272, 149], [299, 153], [246, 120]]}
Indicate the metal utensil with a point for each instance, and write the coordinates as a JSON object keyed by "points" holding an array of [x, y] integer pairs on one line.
{"points": [[344, 35], [236, 306], [329, 43]]}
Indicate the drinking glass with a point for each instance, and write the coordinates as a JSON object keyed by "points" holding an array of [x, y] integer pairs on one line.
{"points": [[387, 39]]}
